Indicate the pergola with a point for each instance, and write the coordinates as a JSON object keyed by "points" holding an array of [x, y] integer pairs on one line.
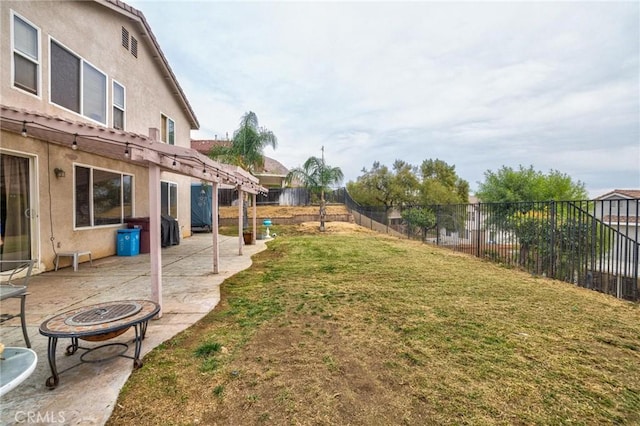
{"points": [[145, 151]]}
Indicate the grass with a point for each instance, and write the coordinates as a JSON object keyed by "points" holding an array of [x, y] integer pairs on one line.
{"points": [[358, 328]]}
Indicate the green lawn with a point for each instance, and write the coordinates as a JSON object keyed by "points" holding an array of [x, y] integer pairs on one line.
{"points": [[358, 328]]}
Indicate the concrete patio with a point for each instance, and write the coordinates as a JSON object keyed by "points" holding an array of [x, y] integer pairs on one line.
{"points": [[87, 393]]}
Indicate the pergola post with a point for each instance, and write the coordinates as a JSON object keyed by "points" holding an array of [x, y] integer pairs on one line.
{"points": [[240, 219], [214, 227], [255, 219], [154, 235]]}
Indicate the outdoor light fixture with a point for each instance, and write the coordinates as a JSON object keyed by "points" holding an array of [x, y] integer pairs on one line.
{"points": [[174, 161], [59, 173], [24, 129], [74, 145], [126, 150]]}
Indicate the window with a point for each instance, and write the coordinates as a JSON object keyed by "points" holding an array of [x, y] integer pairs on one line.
{"points": [[76, 85], [167, 130], [118, 106], [26, 55], [169, 199], [102, 197], [94, 94]]}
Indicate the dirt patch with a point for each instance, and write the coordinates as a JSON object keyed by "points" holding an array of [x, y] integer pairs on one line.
{"points": [[312, 361], [333, 228], [228, 212]]}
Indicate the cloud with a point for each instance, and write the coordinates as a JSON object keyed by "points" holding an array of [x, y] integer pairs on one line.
{"points": [[478, 85]]}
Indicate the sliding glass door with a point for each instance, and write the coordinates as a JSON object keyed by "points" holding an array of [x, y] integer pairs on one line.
{"points": [[15, 207]]}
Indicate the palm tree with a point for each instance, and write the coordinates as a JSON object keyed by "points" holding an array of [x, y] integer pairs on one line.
{"points": [[316, 176], [248, 144], [246, 149]]}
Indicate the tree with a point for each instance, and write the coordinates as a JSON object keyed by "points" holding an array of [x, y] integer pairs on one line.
{"points": [[246, 149], [523, 185], [441, 184], [248, 144], [406, 186], [522, 209], [420, 218], [317, 177], [383, 187]]}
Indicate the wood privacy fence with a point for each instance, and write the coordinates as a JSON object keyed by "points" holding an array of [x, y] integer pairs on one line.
{"points": [[281, 197], [592, 243]]}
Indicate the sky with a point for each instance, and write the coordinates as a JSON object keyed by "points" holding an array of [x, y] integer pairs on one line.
{"points": [[479, 85]]}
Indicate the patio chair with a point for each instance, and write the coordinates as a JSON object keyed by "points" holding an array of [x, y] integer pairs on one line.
{"points": [[14, 277]]}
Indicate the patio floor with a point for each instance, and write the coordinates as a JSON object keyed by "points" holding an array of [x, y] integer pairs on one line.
{"points": [[86, 394]]}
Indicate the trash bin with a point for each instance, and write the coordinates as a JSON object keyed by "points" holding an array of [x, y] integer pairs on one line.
{"points": [[141, 223], [128, 242]]}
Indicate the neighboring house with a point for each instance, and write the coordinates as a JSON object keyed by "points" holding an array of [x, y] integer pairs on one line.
{"points": [[620, 209], [95, 129], [271, 175]]}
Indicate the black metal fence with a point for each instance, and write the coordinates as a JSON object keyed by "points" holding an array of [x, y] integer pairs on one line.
{"points": [[593, 243]]}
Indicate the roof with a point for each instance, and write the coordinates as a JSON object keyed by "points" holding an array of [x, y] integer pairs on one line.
{"points": [[204, 145], [145, 29], [124, 146], [620, 219], [271, 167], [622, 193]]}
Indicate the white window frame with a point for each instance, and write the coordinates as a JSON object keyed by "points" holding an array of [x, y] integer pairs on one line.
{"points": [[169, 185], [83, 62], [165, 132], [92, 224], [14, 51], [116, 106]]}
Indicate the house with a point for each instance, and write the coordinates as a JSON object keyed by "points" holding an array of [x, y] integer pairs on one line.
{"points": [[95, 130], [619, 209], [271, 175]]}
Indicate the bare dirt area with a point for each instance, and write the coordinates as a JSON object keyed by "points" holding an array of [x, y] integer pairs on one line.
{"points": [[334, 228], [228, 212]]}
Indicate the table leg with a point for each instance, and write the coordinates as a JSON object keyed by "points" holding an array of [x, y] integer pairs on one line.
{"points": [[73, 347], [52, 382], [143, 329], [23, 320], [137, 363]]}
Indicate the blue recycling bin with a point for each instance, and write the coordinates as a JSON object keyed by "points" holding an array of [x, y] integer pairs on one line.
{"points": [[128, 242]]}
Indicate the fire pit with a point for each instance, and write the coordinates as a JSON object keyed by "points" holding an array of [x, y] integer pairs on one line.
{"points": [[94, 323]]}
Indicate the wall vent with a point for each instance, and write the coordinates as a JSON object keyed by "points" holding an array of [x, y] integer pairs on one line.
{"points": [[134, 46], [125, 38]]}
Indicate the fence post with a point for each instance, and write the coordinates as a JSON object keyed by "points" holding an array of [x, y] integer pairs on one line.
{"points": [[438, 225], [478, 229], [552, 241]]}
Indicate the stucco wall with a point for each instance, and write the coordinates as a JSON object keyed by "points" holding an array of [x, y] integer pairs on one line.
{"points": [[93, 32], [54, 214]]}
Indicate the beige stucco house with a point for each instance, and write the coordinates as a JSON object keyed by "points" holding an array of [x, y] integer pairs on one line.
{"points": [[272, 174], [95, 129]]}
